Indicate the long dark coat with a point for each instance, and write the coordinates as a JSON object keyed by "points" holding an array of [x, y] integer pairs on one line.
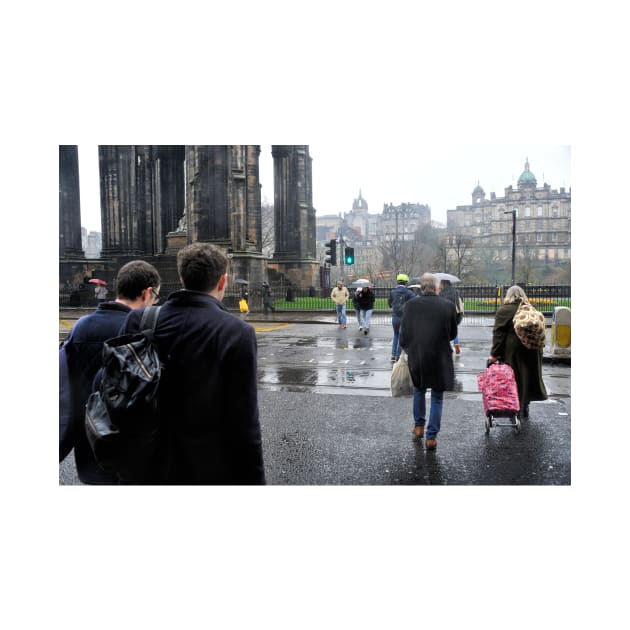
{"points": [[208, 397], [428, 324], [527, 364]]}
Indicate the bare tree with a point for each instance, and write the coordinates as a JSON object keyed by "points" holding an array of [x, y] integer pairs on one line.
{"points": [[441, 254], [460, 248], [485, 264], [413, 256], [527, 259], [268, 243]]}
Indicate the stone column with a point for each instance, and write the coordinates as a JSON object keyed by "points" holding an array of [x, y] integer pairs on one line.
{"points": [[69, 203], [168, 191], [207, 193], [294, 215], [117, 165], [254, 205]]}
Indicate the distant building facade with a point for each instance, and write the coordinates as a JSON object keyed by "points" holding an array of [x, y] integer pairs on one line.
{"points": [[543, 222], [91, 243], [367, 233]]}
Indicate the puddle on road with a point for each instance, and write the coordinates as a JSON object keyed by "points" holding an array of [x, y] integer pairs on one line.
{"points": [[338, 379]]}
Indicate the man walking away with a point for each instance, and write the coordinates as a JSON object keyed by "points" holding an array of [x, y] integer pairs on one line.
{"points": [[137, 285], [207, 398], [398, 297], [428, 325], [266, 295], [340, 296], [449, 292]]}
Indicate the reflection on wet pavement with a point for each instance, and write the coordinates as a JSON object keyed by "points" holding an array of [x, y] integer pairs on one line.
{"points": [[358, 364]]}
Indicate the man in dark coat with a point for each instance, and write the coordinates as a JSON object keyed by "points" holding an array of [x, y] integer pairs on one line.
{"points": [[208, 398], [266, 296], [137, 285], [429, 323]]}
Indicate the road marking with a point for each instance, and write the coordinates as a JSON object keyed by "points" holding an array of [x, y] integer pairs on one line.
{"points": [[271, 328]]}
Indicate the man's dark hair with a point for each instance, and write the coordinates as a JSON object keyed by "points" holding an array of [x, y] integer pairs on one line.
{"points": [[134, 277], [200, 266]]}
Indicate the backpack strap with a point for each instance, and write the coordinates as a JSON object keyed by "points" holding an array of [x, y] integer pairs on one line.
{"points": [[149, 319]]}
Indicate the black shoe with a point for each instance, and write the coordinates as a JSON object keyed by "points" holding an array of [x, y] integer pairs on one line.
{"points": [[394, 359]]}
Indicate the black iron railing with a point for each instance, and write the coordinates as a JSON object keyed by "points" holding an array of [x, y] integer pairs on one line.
{"points": [[478, 299]]}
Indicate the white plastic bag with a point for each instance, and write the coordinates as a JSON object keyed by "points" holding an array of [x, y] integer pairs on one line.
{"points": [[401, 383]]}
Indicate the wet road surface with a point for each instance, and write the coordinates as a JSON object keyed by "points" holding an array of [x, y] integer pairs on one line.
{"points": [[328, 418]]}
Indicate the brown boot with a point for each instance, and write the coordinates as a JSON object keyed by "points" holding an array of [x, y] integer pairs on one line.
{"points": [[457, 349], [430, 445], [418, 432]]}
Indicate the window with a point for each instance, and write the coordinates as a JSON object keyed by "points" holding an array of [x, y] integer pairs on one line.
{"points": [[554, 211], [539, 211], [554, 236], [539, 238], [528, 211]]}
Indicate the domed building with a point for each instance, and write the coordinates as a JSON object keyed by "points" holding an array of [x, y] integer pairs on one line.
{"points": [[543, 223], [527, 179]]}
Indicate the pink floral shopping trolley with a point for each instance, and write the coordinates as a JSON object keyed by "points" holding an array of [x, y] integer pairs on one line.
{"points": [[500, 396]]}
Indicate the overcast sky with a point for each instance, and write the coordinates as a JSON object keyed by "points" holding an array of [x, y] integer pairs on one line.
{"points": [[442, 176]]}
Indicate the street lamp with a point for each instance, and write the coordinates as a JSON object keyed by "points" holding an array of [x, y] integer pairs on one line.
{"points": [[513, 213]]}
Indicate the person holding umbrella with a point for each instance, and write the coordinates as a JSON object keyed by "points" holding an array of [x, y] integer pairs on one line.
{"points": [[449, 292], [244, 296], [365, 305], [100, 292]]}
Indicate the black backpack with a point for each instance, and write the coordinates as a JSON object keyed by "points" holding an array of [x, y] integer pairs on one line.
{"points": [[398, 303], [121, 415]]}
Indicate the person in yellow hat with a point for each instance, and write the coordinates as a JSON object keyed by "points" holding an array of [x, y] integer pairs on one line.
{"points": [[398, 297]]}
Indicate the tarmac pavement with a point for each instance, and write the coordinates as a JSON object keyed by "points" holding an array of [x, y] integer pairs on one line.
{"points": [[328, 418]]}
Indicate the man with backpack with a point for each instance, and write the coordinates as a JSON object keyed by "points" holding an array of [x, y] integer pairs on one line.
{"points": [[137, 286], [207, 399], [398, 297]]}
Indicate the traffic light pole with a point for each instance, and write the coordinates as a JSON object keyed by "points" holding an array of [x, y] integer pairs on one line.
{"points": [[342, 253]]}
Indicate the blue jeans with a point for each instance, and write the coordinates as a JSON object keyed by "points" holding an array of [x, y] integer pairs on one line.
{"points": [[420, 414], [395, 341], [341, 313], [364, 318]]}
